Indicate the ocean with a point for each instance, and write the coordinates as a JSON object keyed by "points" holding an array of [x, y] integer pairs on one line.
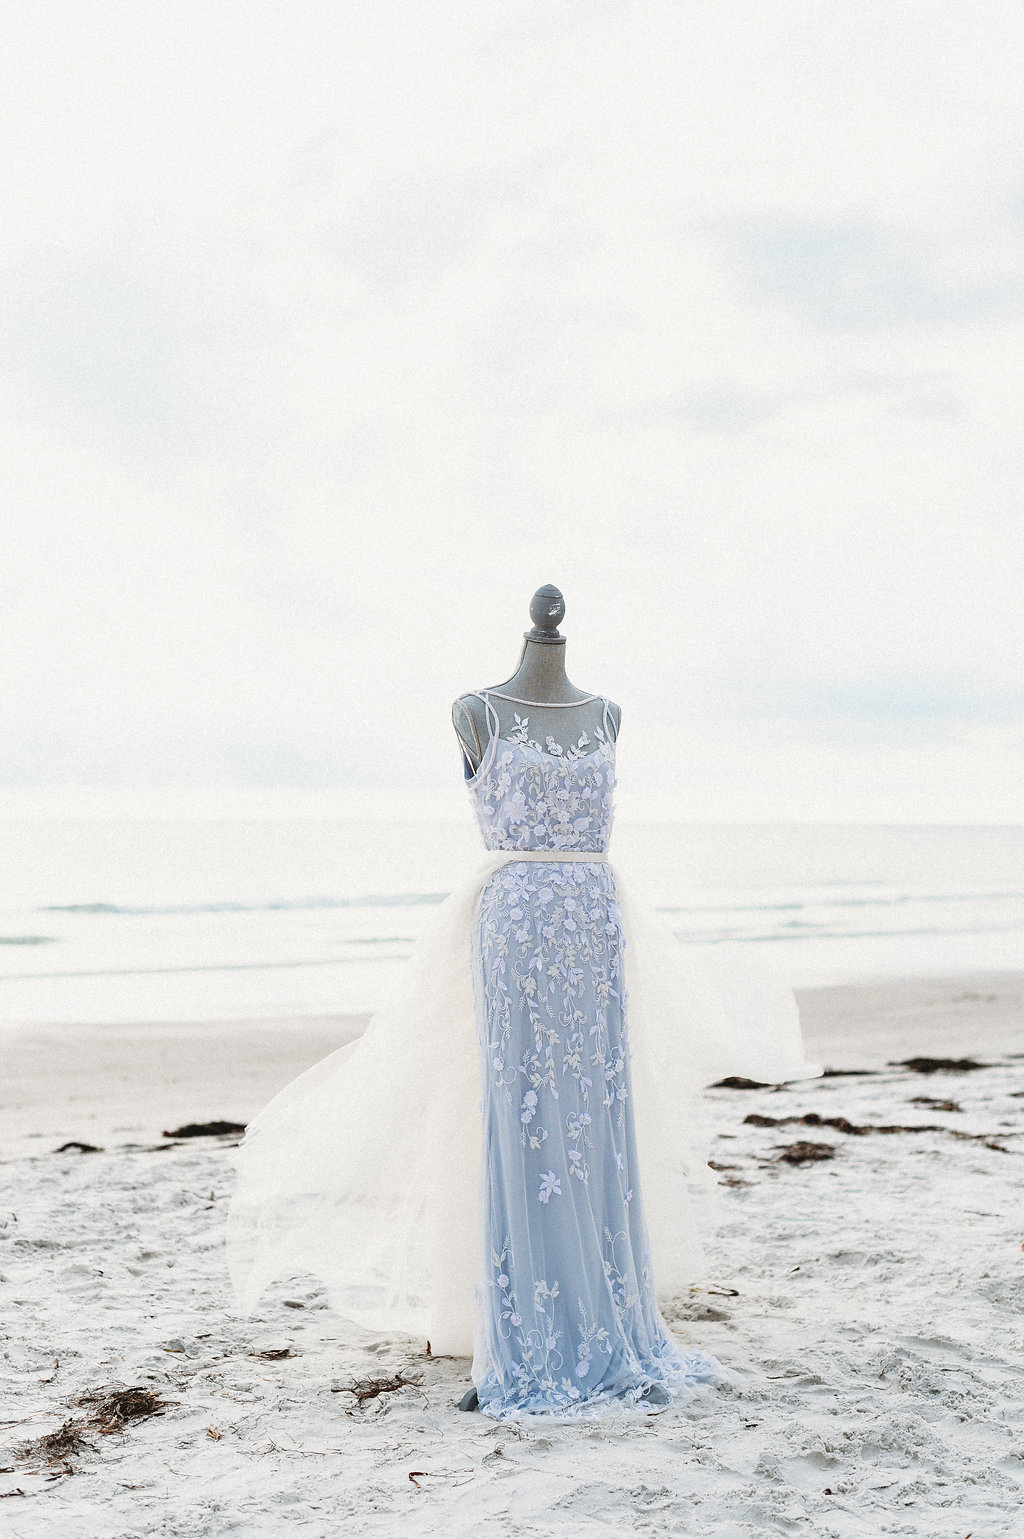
{"points": [[202, 919]]}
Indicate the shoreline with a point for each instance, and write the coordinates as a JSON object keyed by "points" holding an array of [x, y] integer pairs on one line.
{"points": [[872, 1021], [99, 1083], [102, 1083]]}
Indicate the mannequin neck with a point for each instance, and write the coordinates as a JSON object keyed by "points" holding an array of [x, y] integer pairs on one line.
{"points": [[541, 675]]}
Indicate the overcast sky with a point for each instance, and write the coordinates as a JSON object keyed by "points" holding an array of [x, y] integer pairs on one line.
{"points": [[330, 331]]}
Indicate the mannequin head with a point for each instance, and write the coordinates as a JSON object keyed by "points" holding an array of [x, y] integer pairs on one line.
{"points": [[547, 610]]}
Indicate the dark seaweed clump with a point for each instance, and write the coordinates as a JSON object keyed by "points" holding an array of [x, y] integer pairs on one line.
{"points": [[206, 1130], [803, 1154], [369, 1389], [939, 1065], [110, 1410]]}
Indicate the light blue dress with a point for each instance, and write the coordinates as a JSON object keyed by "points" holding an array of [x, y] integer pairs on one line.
{"points": [[568, 1318]]}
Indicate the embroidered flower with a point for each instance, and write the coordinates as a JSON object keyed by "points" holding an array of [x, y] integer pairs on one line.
{"points": [[549, 1184]]}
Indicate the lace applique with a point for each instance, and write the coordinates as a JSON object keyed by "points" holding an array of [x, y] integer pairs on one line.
{"points": [[553, 798], [577, 750]]}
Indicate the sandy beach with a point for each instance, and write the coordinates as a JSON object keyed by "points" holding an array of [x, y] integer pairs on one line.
{"points": [[870, 1299]]}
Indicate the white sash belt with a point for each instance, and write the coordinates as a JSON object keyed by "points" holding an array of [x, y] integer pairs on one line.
{"points": [[553, 857]]}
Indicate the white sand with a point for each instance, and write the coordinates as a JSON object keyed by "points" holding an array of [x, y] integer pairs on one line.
{"points": [[875, 1318]]}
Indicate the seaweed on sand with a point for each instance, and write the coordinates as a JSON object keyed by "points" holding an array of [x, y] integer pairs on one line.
{"points": [[206, 1130], [110, 1410], [939, 1065], [843, 1125], [803, 1153], [369, 1389], [58, 1447], [115, 1406]]}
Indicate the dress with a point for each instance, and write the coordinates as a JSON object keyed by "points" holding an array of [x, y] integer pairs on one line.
{"points": [[569, 1319], [467, 1173]]}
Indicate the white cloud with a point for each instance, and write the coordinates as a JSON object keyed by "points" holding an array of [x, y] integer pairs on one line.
{"points": [[328, 335]]}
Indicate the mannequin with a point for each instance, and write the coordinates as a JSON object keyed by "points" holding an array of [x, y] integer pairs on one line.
{"points": [[538, 697], [539, 681], [362, 1170]]}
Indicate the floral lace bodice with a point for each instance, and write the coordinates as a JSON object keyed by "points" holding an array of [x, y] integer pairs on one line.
{"points": [[551, 796]]}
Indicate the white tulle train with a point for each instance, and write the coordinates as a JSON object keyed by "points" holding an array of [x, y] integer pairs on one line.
{"points": [[365, 1171]]}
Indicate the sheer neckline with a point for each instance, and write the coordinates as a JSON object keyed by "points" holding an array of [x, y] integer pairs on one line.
{"points": [[519, 737], [543, 705]]}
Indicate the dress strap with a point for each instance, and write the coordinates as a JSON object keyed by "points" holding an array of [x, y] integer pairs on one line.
{"points": [[493, 728], [606, 721]]}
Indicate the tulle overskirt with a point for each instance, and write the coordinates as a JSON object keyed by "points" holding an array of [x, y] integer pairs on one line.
{"points": [[365, 1170]]}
